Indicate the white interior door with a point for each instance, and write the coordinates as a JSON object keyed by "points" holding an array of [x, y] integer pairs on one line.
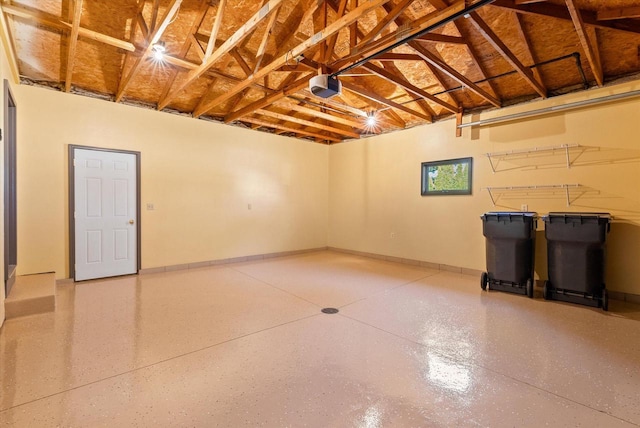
{"points": [[105, 214]]}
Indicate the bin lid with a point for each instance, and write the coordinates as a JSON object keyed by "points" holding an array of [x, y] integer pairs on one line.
{"points": [[578, 215], [510, 214]]}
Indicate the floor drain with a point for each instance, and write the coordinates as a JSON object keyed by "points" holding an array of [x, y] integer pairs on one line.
{"points": [[329, 311]]}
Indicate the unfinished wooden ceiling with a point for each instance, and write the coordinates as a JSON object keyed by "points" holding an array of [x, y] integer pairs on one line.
{"points": [[249, 62]]}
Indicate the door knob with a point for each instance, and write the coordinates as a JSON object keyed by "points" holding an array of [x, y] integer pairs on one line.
{"points": [[131, 221]]}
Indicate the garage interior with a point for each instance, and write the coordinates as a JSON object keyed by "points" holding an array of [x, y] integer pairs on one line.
{"points": [[263, 202]]}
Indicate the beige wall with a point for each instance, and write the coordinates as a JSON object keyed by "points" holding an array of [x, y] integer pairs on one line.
{"points": [[200, 176], [374, 184]]}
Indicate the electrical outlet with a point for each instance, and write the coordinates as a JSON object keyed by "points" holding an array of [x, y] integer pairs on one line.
{"points": [[393, 235], [150, 207], [524, 207], [248, 206]]}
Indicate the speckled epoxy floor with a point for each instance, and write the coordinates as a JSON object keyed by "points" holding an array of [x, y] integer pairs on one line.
{"points": [[247, 345]]}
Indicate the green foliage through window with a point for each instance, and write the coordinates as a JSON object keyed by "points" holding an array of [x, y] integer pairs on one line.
{"points": [[447, 177]]}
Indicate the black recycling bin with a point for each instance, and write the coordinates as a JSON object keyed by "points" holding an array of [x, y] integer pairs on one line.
{"points": [[510, 251], [576, 244]]}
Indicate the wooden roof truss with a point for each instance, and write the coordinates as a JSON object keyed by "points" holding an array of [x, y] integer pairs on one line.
{"points": [[408, 61]]}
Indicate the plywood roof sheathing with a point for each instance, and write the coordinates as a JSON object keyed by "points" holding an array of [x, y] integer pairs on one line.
{"points": [[248, 62]]}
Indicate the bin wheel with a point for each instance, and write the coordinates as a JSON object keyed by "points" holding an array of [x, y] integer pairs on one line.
{"points": [[529, 288], [605, 300], [546, 291], [484, 280]]}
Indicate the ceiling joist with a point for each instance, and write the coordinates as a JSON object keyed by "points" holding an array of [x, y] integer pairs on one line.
{"points": [[317, 38], [154, 15], [334, 104], [211, 43], [400, 21], [389, 116], [475, 57], [376, 97], [256, 68], [524, 40], [588, 41], [451, 72], [395, 57], [73, 43], [10, 47], [263, 43], [328, 117], [58, 23], [413, 28], [331, 41], [408, 86], [437, 66], [619, 13], [142, 23], [551, 10], [419, 101], [186, 45], [153, 38], [308, 123], [442, 38], [267, 124], [306, 17], [506, 53], [231, 42], [388, 19], [241, 62], [353, 27], [268, 100]]}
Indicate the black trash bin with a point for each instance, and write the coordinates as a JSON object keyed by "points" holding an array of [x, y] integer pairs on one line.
{"points": [[576, 244], [510, 251]]}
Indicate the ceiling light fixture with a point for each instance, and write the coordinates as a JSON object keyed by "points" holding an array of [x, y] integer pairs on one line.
{"points": [[158, 50], [371, 119]]}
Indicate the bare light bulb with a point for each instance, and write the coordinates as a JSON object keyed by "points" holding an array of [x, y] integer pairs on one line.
{"points": [[158, 50]]}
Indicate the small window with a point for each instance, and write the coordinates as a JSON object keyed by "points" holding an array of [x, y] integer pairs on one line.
{"points": [[447, 177]]}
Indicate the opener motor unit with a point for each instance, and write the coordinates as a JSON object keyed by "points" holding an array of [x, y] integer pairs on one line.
{"points": [[325, 86]]}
